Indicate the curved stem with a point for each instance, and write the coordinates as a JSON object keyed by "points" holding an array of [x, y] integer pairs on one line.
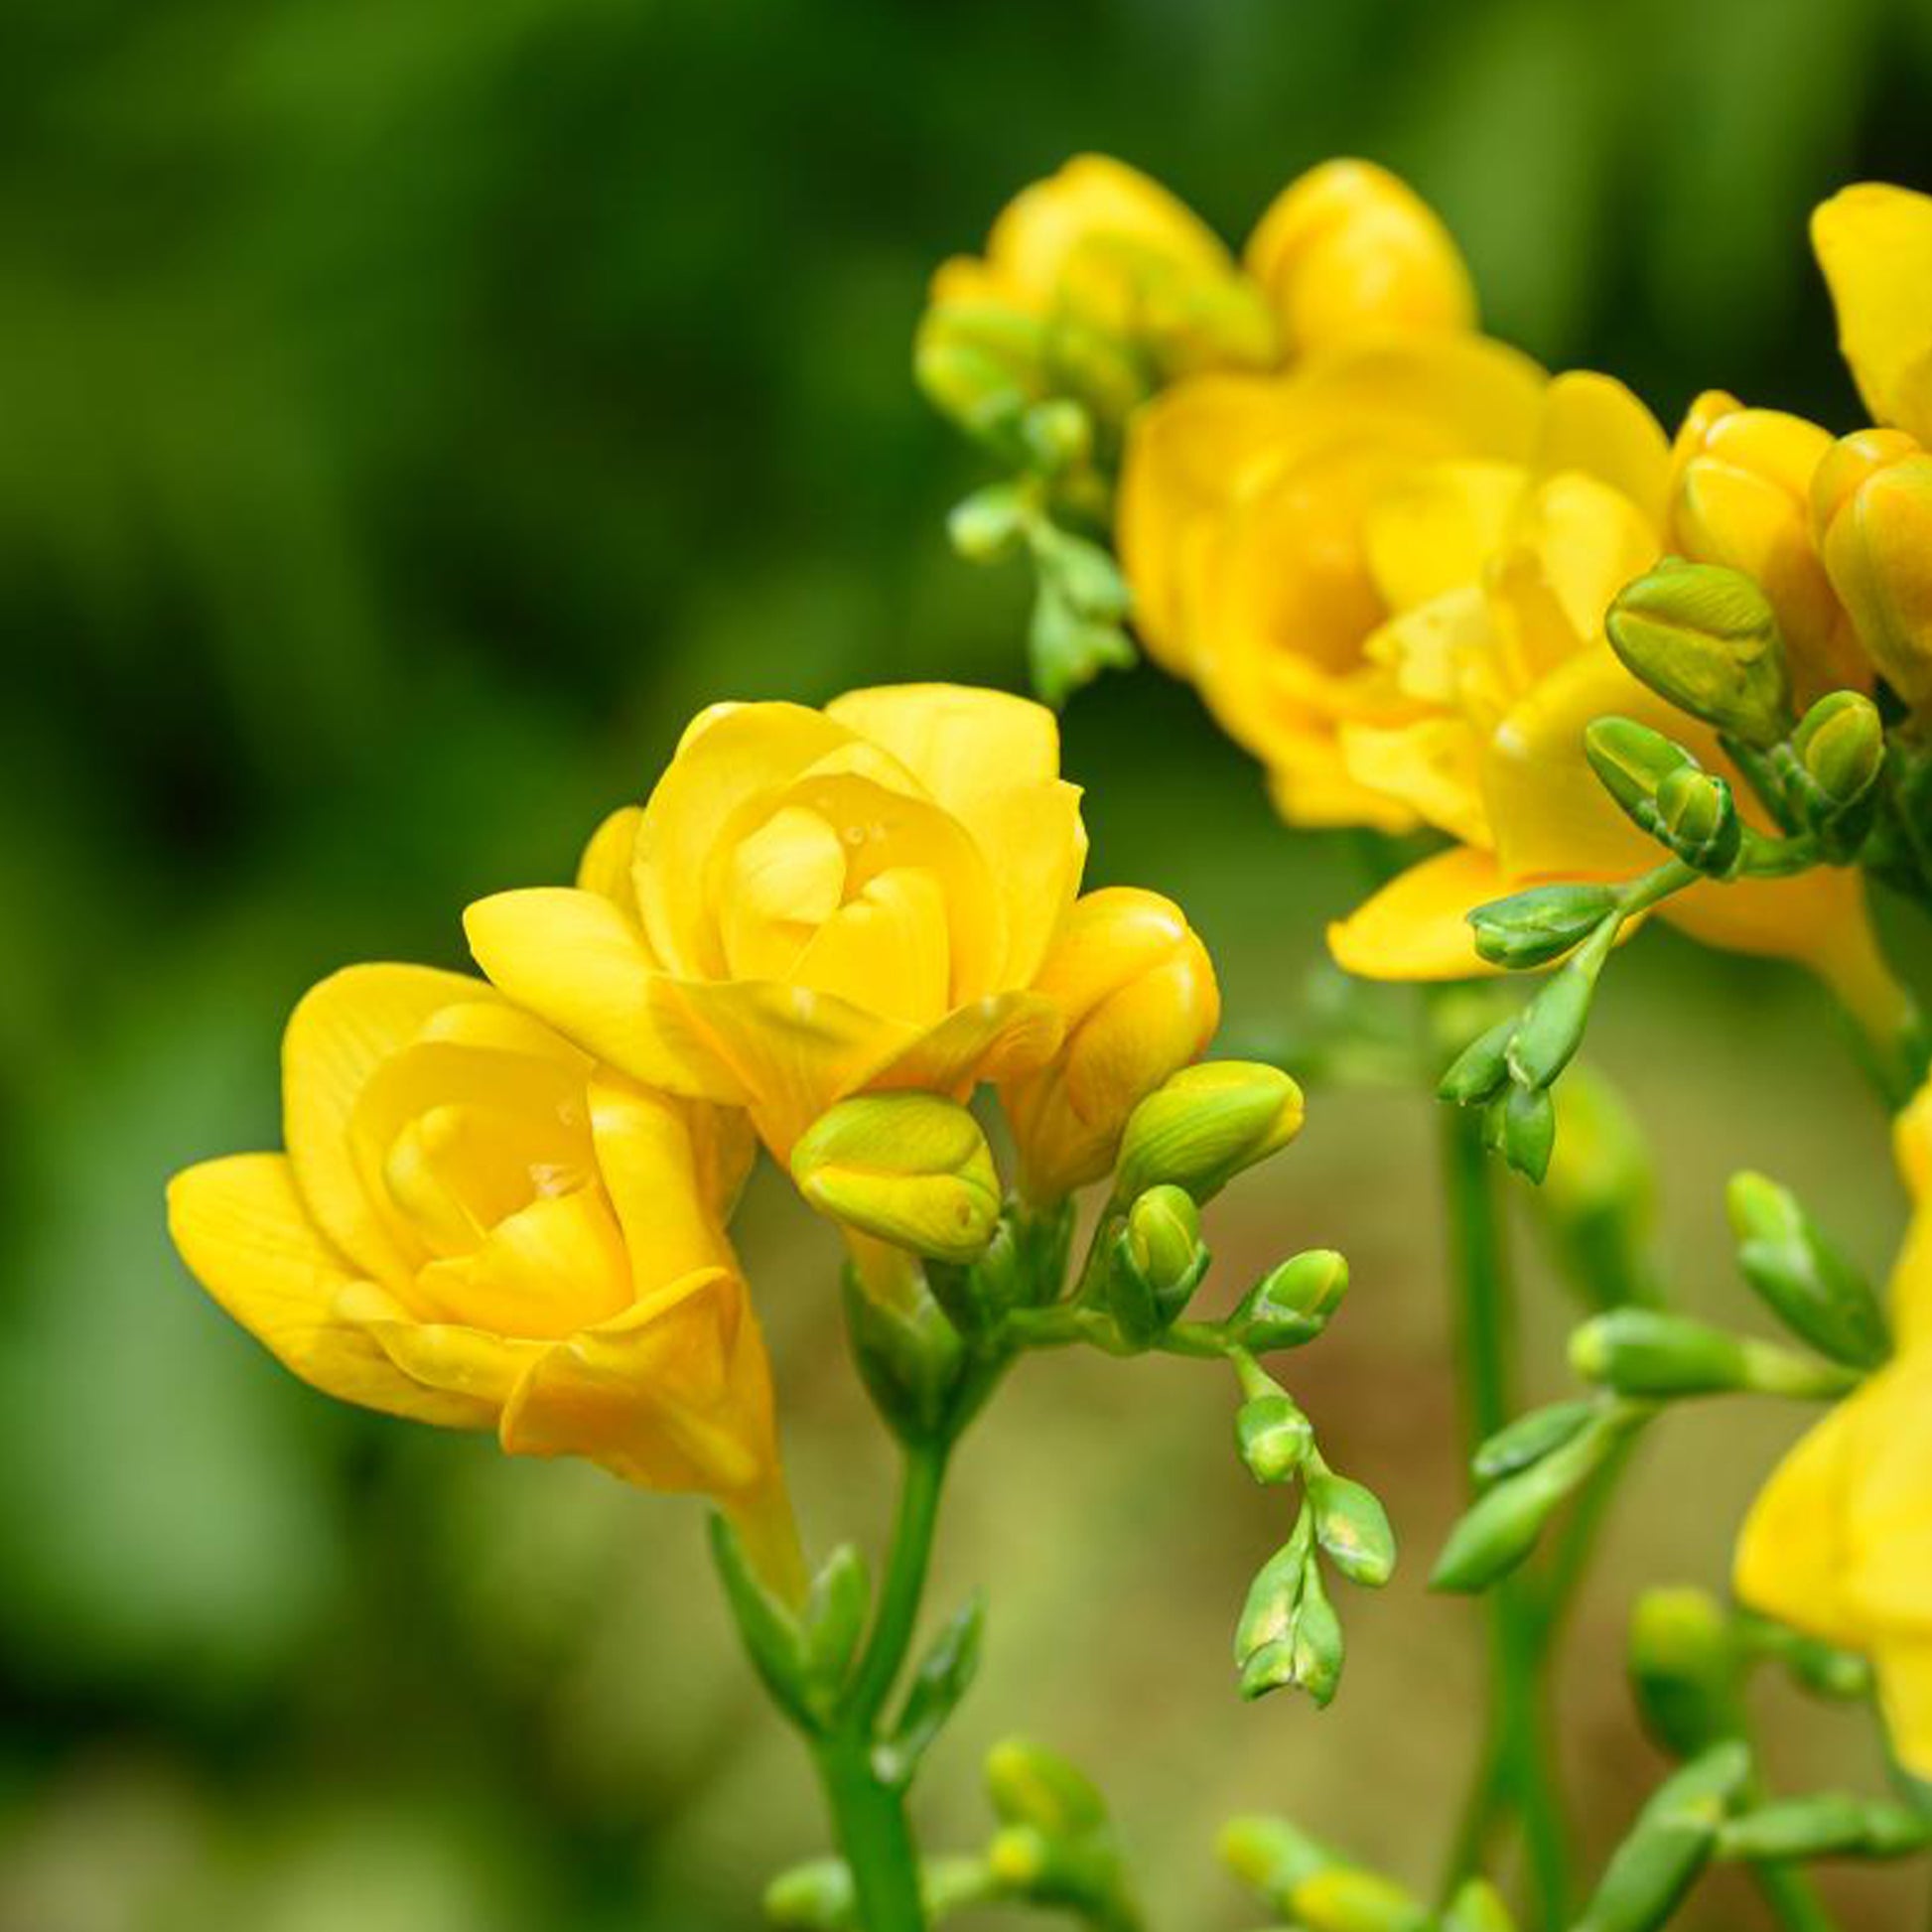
{"points": [[1514, 1766], [904, 1585]]}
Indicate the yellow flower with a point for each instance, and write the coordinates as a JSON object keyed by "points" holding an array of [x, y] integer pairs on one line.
{"points": [[1136, 991], [1875, 244], [1740, 496], [1495, 661], [1100, 278], [1872, 499], [474, 1226], [1348, 249], [814, 903]]}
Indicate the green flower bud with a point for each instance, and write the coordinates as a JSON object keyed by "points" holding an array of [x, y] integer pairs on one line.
{"points": [[1501, 1527], [1674, 1834], [1645, 1352], [1530, 1438], [1205, 1124], [1272, 1857], [1291, 1304], [1309, 1657], [1521, 1126], [1345, 1898], [814, 1897], [1352, 1525], [988, 526], [1632, 761], [1268, 1611], [1272, 1437], [1550, 1027], [1058, 434], [909, 1168], [1164, 1245], [1532, 928], [1028, 1785], [1707, 640], [1685, 1668], [1482, 1069], [1826, 1825], [1478, 1907], [1067, 648], [1697, 818], [1840, 746], [1805, 1282]]}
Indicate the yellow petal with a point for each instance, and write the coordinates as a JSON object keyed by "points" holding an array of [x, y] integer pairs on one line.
{"points": [[338, 1033], [1905, 1697], [1415, 927], [1188, 451], [458, 1361], [1875, 244], [783, 880], [997, 1038], [993, 761], [731, 757], [607, 866], [671, 1169], [1434, 766], [1791, 1551], [1432, 531], [575, 959], [1911, 1275], [675, 1395], [1595, 425], [1886, 1569], [555, 1266], [888, 950], [241, 1227]]}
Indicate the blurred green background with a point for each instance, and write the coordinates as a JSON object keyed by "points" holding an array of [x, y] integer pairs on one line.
{"points": [[410, 411]]}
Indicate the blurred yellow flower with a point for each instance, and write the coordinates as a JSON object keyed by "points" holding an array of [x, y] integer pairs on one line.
{"points": [[814, 903], [1875, 244], [1136, 991], [475, 1226], [1838, 1543]]}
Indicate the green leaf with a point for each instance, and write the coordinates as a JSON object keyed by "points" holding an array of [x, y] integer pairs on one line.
{"points": [[943, 1677]]}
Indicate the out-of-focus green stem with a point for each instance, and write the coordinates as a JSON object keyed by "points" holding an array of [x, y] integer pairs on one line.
{"points": [[1515, 1768]]}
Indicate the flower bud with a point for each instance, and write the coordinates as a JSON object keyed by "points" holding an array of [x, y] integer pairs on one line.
{"points": [[1827, 1825], [1697, 818], [1348, 249], [1840, 745], [978, 364], [988, 526], [1530, 1438], [1207, 1123], [1805, 1282], [1676, 1832], [1352, 1527], [1533, 927], [1684, 1667], [1028, 1785], [1345, 1898], [1137, 990], [1871, 500], [909, 1168], [1521, 1126], [1157, 1263], [1480, 1069], [909, 1356], [814, 1897], [1551, 1029], [1308, 1657], [1645, 1352], [1706, 639], [1291, 1304], [1272, 1857], [1478, 1907], [1740, 498], [1272, 1437], [1632, 762]]}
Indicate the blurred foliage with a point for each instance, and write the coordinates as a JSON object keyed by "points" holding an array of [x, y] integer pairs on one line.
{"points": [[412, 410]]}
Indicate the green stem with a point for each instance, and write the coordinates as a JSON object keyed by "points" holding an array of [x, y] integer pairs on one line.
{"points": [[904, 1585], [868, 1817], [1793, 1900], [1514, 1766]]}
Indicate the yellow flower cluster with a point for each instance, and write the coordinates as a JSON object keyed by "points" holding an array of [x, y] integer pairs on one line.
{"points": [[504, 1204], [1839, 1542]]}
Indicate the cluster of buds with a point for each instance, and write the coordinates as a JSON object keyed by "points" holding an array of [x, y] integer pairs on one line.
{"points": [[1639, 1359], [1054, 1846]]}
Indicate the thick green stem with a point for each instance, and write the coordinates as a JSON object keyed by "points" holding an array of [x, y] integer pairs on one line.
{"points": [[868, 1817], [1514, 1767], [904, 1585]]}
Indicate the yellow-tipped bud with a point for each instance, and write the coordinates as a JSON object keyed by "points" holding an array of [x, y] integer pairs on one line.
{"points": [[1205, 1124], [1872, 502], [1741, 481], [1136, 989], [1347, 249], [1706, 639], [910, 1169]]}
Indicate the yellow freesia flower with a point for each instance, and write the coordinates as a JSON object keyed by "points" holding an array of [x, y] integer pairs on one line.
{"points": [[813, 904], [475, 1226], [1875, 244], [1839, 1544], [1136, 991], [1740, 496]]}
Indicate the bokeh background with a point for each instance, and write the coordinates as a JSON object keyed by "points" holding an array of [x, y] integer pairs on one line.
{"points": [[410, 411]]}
